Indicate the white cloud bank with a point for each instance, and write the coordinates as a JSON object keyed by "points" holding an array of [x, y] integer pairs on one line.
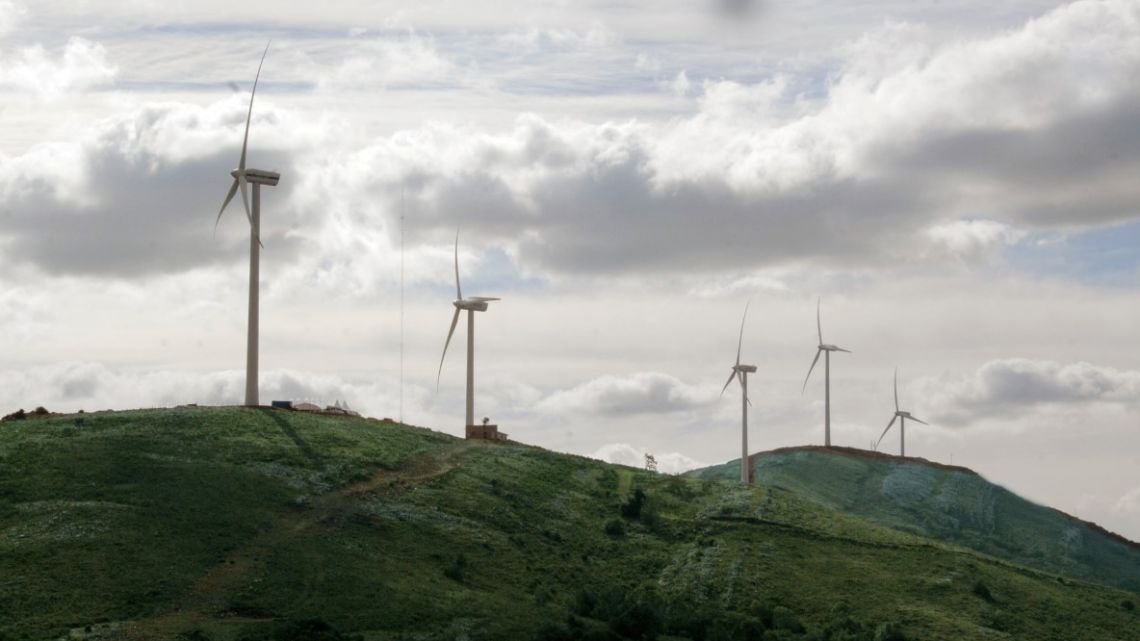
{"points": [[641, 393], [1008, 387], [34, 70], [626, 454]]}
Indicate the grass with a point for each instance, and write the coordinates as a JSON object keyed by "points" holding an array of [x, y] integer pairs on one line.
{"points": [[229, 523], [948, 504]]}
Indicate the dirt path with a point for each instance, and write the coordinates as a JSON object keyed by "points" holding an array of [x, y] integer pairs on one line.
{"points": [[212, 592]]}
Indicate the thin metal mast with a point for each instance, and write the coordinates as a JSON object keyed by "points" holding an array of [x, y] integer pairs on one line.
{"points": [[401, 304]]}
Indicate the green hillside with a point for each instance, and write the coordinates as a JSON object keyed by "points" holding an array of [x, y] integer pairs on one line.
{"points": [[948, 503], [230, 523]]}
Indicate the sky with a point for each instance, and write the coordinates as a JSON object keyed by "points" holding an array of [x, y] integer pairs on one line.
{"points": [[953, 183]]}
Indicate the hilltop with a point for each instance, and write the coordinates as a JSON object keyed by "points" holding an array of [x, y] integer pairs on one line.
{"points": [[235, 523], [948, 503]]}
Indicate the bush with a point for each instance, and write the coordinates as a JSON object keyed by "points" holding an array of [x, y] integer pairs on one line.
{"points": [[889, 632], [615, 528], [631, 509], [783, 619], [982, 592], [457, 570], [1128, 605]]}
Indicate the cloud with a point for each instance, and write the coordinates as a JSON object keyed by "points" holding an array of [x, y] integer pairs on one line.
{"points": [[81, 65], [390, 61], [972, 239], [642, 393], [11, 14], [626, 454], [70, 386], [138, 194], [1010, 387]]}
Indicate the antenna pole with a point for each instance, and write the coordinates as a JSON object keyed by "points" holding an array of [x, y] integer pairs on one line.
{"points": [[401, 305]]}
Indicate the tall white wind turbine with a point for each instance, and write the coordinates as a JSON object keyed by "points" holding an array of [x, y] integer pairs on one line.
{"points": [[902, 416], [244, 176], [826, 350], [471, 305], [741, 372]]}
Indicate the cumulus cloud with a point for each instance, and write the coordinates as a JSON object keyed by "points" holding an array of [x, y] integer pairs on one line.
{"points": [[642, 393], [72, 386], [34, 70], [972, 239], [138, 194], [1009, 387], [410, 60], [10, 15], [897, 157], [626, 454]]}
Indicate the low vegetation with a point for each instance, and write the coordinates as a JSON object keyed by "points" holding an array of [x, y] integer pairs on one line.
{"points": [[230, 524]]}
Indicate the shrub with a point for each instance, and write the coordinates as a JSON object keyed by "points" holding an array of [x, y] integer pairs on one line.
{"points": [[456, 570], [615, 528], [889, 632], [982, 592], [631, 509], [783, 619], [1128, 605]]}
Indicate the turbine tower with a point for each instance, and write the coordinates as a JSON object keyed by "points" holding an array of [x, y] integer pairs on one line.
{"points": [[471, 305], [243, 177], [902, 417], [741, 372], [826, 350]]}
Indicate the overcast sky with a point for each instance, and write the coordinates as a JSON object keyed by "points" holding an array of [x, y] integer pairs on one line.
{"points": [[956, 181]]}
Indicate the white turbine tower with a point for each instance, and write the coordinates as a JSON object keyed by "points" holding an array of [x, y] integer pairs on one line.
{"points": [[826, 350], [902, 417], [244, 176], [741, 372], [471, 305]]}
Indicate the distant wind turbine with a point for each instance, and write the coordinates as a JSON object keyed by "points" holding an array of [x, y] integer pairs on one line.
{"points": [[902, 417], [244, 176], [741, 372], [471, 305], [826, 350]]}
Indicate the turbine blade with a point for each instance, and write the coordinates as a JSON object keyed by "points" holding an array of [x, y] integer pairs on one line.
{"points": [[454, 322], [885, 431], [816, 360], [730, 377], [249, 115], [918, 420], [229, 197], [896, 389], [740, 342], [818, 322], [485, 299], [458, 291]]}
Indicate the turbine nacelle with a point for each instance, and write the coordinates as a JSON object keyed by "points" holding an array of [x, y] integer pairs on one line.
{"points": [[258, 176], [833, 348], [747, 369], [474, 304]]}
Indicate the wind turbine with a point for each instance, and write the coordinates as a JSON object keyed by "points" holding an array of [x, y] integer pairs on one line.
{"points": [[902, 417], [244, 176], [471, 305], [741, 372], [826, 350]]}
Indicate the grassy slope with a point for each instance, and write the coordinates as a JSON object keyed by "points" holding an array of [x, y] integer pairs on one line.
{"points": [[949, 504], [221, 521]]}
